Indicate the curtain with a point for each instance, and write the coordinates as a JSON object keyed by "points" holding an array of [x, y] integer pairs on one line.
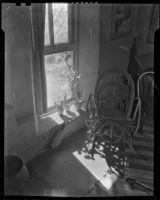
{"points": [[37, 25], [37, 17]]}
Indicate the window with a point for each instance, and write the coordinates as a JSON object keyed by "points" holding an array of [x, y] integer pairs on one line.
{"points": [[60, 51]]}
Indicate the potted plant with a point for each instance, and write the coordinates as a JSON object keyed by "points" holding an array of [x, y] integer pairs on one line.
{"points": [[66, 105], [74, 84], [78, 100], [59, 105]]}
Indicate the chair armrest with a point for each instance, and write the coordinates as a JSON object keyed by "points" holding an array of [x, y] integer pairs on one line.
{"points": [[138, 110], [138, 106]]}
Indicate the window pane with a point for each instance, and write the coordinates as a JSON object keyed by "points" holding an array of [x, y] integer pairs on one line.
{"points": [[58, 76], [60, 22], [47, 38]]}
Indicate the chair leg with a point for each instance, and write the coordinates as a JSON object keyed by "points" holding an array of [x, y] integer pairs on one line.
{"points": [[142, 121], [93, 147]]}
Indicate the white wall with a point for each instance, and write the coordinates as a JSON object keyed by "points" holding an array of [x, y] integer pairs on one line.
{"points": [[18, 91], [88, 46]]}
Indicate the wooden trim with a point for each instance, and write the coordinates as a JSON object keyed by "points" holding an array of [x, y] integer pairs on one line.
{"points": [[50, 21], [44, 89], [153, 25], [75, 21], [70, 24], [58, 49], [75, 35]]}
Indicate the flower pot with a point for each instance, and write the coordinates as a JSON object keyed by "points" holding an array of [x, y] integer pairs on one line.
{"points": [[15, 173]]}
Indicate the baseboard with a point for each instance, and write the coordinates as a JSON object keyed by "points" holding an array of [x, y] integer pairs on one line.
{"points": [[148, 128]]}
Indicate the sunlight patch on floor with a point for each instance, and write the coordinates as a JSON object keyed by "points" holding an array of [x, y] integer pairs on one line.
{"points": [[98, 168]]}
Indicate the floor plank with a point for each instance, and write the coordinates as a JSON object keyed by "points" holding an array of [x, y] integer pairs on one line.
{"points": [[141, 165], [69, 171]]}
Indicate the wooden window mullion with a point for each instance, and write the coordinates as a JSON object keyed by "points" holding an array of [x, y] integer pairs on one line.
{"points": [[51, 25], [71, 45], [70, 23]]}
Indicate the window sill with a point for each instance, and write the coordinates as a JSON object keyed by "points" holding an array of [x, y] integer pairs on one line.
{"points": [[50, 120], [53, 109]]}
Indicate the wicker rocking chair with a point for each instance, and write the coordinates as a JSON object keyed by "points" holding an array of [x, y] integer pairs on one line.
{"points": [[108, 110]]}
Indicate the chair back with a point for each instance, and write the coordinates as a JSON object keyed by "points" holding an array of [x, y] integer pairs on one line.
{"points": [[114, 91], [145, 91]]}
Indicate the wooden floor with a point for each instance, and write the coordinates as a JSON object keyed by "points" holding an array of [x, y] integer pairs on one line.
{"points": [[141, 163], [69, 170]]}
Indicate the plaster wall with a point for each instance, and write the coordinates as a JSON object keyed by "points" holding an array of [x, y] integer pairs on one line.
{"points": [[18, 91], [145, 48], [88, 47]]}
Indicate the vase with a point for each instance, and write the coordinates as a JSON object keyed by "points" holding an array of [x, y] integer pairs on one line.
{"points": [[60, 110]]}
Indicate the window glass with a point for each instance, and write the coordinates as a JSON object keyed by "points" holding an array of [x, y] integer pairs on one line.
{"points": [[60, 21], [58, 76]]}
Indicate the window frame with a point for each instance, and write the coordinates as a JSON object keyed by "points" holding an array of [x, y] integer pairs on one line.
{"points": [[72, 45]]}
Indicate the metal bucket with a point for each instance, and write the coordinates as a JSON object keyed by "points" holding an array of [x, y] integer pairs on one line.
{"points": [[15, 172]]}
